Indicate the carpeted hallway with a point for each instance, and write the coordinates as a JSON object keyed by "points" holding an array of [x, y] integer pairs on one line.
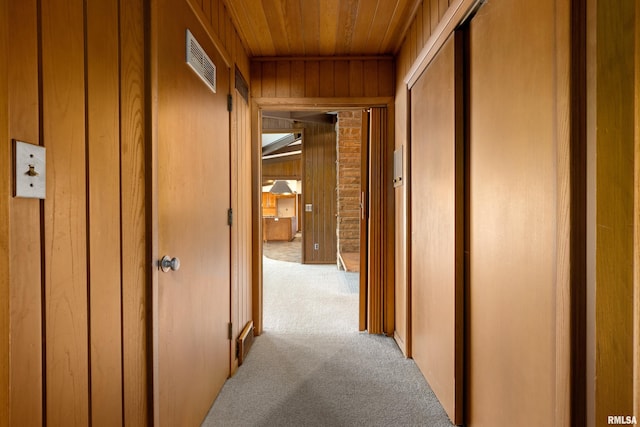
{"points": [[311, 366]]}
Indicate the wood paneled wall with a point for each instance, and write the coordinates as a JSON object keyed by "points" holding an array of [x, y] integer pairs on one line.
{"points": [[319, 187], [428, 15], [241, 272], [282, 168], [322, 78], [216, 19], [5, 194], [610, 127], [78, 259]]}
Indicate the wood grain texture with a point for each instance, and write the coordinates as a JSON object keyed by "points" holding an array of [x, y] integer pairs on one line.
{"points": [[103, 158], [436, 233], [323, 78], [65, 221], [193, 303], [402, 236], [217, 21], [25, 243], [614, 129], [636, 215], [135, 257], [364, 225], [5, 185], [319, 190], [256, 220], [321, 28], [241, 312], [318, 173], [511, 361]]}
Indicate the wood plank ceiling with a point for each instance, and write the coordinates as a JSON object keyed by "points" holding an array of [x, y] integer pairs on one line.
{"points": [[309, 28]]}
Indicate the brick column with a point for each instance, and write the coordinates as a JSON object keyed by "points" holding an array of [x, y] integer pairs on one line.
{"points": [[349, 140]]}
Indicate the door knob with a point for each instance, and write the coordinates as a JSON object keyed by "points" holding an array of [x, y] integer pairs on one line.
{"points": [[167, 263]]}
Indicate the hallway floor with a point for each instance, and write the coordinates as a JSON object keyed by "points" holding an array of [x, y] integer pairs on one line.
{"points": [[312, 367]]}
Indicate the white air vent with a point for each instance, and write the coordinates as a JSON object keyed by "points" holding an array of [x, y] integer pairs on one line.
{"points": [[200, 62]]}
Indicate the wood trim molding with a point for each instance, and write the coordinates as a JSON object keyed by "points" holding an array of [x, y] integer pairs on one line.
{"points": [[458, 12], [295, 104], [322, 58], [636, 225], [563, 333], [4, 218]]}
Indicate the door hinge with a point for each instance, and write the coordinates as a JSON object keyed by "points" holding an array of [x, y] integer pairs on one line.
{"points": [[230, 330], [230, 103], [230, 216]]}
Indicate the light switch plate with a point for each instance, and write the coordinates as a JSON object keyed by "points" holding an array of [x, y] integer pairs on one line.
{"points": [[30, 171]]}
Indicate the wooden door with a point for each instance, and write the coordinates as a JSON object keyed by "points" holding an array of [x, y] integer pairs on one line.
{"points": [[192, 308], [437, 227], [516, 122], [364, 221]]}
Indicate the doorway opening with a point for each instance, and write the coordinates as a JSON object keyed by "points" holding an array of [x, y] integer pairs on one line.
{"points": [[310, 207]]}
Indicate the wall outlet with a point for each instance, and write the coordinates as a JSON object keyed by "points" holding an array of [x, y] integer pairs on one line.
{"points": [[316, 246]]}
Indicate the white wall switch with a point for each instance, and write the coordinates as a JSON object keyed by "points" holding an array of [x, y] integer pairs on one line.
{"points": [[30, 171]]}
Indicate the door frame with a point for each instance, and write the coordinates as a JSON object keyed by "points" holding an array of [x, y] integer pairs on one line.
{"points": [[306, 104]]}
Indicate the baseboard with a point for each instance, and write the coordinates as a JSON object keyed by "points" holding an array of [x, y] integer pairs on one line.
{"points": [[245, 341]]}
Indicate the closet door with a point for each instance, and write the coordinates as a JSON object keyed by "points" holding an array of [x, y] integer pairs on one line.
{"points": [[516, 122], [437, 226]]}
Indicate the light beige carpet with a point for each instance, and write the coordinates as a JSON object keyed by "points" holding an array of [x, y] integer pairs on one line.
{"points": [[312, 367]]}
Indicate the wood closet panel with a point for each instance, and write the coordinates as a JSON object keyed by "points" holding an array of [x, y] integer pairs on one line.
{"points": [[517, 116], [437, 227]]}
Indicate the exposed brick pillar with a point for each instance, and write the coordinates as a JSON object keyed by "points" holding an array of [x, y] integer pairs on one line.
{"points": [[349, 142]]}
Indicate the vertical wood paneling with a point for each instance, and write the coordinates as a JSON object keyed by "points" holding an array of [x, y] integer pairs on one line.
{"points": [[312, 79], [134, 214], [434, 14], [401, 291], [370, 69], [319, 181], [614, 129], [636, 215], [356, 80], [269, 79], [341, 68], [444, 5], [297, 79], [25, 243], [283, 79], [103, 160], [327, 79], [427, 25], [256, 80], [65, 221], [5, 185], [386, 78], [375, 267]]}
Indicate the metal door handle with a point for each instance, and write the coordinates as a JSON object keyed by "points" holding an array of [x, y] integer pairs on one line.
{"points": [[167, 263]]}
